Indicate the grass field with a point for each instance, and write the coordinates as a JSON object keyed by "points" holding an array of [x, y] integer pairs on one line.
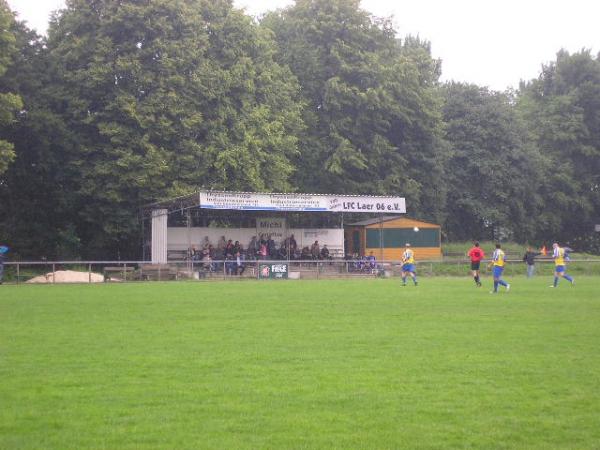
{"points": [[310, 364]]}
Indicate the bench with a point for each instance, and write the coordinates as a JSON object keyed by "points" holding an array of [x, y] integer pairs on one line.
{"points": [[177, 255], [121, 272], [158, 272]]}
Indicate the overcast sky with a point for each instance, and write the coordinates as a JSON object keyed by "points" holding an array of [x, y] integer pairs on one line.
{"points": [[493, 43]]}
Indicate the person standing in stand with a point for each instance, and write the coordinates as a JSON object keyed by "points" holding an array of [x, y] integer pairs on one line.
{"points": [[476, 254], [239, 263]]}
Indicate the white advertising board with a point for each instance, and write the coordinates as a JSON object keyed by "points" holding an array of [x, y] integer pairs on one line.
{"points": [[301, 202]]}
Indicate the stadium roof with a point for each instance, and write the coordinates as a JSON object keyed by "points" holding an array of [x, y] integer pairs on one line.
{"points": [[293, 201]]}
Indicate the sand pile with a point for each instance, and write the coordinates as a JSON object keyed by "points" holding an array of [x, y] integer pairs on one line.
{"points": [[68, 276]]}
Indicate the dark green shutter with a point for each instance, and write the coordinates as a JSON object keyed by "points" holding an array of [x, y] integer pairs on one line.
{"points": [[398, 237], [356, 241]]}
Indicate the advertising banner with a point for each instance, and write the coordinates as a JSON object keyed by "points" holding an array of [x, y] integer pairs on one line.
{"points": [[301, 202], [271, 226], [266, 271]]}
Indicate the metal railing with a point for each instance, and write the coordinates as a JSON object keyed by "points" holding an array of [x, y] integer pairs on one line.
{"points": [[54, 272]]}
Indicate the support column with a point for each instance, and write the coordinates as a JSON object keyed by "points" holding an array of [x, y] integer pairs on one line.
{"points": [[159, 236]]}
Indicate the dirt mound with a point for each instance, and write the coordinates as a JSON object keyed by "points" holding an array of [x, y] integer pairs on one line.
{"points": [[68, 276]]}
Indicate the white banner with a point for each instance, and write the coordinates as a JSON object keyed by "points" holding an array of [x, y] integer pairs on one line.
{"points": [[301, 202]]}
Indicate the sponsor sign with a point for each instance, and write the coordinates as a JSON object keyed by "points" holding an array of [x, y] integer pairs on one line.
{"points": [[313, 234], [597, 228], [271, 226], [266, 271], [301, 202]]}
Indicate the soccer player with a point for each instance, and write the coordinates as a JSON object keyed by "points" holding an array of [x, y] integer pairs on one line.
{"points": [[476, 254], [408, 265], [498, 261], [560, 263]]}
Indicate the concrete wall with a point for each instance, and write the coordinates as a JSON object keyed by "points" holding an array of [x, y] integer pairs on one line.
{"points": [[177, 238]]}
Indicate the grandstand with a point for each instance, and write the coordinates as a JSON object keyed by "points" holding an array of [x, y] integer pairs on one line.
{"points": [[205, 218]]}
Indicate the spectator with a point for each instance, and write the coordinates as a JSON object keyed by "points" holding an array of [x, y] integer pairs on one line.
{"points": [[263, 252], [239, 263], [360, 263], [237, 247], [356, 263], [325, 253], [194, 255], [371, 261], [230, 265], [253, 246], [3, 252], [529, 259], [315, 250], [228, 249], [365, 264], [305, 253], [213, 256], [221, 245], [293, 244], [271, 247], [283, 253], [207, 260]]}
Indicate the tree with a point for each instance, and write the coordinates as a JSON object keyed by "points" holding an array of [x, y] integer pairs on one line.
{"points": [[9, 102], [163, 97], [561, 108], [37, 210], [492, 174], [372, 110]]}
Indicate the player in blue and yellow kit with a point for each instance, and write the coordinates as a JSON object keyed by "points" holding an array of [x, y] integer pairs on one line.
{"points": [[498, 261], [408, 265], [560, 265]]}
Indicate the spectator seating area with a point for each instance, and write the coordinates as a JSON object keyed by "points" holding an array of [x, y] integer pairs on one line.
{"points": [[259, 248], [208, 259]]}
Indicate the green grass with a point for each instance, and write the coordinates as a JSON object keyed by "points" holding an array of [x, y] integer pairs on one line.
{"points": [[311, 364], [513, 268]]}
